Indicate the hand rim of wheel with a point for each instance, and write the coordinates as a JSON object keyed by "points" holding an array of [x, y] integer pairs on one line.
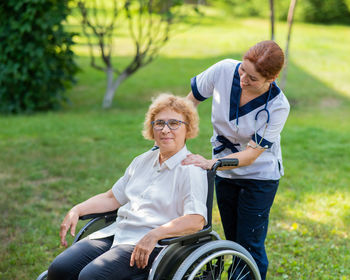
{"points": [[213, 256]]}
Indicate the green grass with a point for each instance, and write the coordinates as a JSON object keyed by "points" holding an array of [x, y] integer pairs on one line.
{"points": [[51, 161]]}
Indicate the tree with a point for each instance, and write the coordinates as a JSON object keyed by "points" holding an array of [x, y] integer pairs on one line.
{"points": [[272, 19], [36, 60], [290, 24], [149, 23]]}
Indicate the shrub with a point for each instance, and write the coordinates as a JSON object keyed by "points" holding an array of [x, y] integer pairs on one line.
{"points": [[320, 11], [317, 11], [36, 60]]}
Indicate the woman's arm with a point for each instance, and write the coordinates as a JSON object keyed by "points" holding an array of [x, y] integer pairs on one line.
{"points": [[186, 224], [100, 203], [245, 158]]}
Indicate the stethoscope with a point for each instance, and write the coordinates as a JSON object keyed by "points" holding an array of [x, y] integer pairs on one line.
{"points": [[256, 120]]}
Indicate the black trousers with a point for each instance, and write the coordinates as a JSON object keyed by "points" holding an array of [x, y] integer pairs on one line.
{"points": [[95, 259], [244, 206]]}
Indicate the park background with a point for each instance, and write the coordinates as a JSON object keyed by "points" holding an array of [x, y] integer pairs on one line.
{"points": [[50, 161]]}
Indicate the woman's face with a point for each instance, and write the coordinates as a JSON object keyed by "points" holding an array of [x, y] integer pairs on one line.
{"points": [[170, 141], [250, 78]]}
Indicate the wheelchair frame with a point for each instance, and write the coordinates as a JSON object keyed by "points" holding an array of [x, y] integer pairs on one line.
{"points": [[202, 255]]}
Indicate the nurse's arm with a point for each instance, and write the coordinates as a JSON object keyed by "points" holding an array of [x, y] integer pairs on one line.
{"points": [[245, 158], [191, 97], [183, 225]]}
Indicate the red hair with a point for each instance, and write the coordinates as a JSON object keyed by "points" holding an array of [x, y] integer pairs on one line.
{"points": [[267, 57]]}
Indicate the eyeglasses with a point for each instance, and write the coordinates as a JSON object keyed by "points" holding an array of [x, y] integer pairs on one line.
{"points": [[172, 124]]}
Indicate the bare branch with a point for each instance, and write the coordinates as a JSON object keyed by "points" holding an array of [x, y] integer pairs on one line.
{"points": [[104, 34], [94, 10], [91, 51], [131, 29]]}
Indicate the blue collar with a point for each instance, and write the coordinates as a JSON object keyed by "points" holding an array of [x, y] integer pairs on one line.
{"points": [[251, 105]]}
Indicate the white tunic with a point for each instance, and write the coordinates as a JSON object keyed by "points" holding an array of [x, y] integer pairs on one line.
{"points": [[222, 82], [152, 195]]}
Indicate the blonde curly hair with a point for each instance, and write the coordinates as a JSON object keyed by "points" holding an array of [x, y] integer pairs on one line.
{"points": [[178, 104]]}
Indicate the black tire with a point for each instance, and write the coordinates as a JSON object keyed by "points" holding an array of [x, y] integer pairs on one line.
{"points": [[218, 260]]}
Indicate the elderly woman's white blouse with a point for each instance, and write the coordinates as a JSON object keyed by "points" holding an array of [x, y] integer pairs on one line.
{"points": [[152, 195], [222, 82]]}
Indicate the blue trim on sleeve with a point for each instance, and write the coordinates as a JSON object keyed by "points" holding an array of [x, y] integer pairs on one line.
{"points": [[264, 143], [195, 91]]}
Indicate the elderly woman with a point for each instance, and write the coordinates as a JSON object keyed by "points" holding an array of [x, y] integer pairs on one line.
{"points": [[157, 198]]}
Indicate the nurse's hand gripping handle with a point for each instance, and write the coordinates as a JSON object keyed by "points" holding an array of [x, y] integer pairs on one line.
{"points": [[225, 162]]}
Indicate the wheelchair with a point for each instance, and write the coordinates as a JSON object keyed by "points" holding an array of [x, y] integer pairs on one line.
{"points": [[199, 256]]}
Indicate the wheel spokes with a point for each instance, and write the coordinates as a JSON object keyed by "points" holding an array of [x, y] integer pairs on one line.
{"points": [[222, 266]]}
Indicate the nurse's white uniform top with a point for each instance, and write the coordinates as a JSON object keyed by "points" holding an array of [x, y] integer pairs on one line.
{"points": [[222, 82], [152, 195]]}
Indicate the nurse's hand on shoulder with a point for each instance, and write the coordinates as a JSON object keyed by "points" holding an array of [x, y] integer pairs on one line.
{"points": [[198, 160]]}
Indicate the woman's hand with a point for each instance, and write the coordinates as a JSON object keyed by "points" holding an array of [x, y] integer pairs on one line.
{"points": [[69, 222], [143, 249], [103, 202], [198, 160]]}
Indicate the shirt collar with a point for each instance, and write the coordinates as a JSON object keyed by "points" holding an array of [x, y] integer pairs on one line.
{"points": [[251, 105], [174, 160]]}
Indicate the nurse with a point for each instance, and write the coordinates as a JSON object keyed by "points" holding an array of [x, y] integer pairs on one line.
{"points": [[249, 111]]}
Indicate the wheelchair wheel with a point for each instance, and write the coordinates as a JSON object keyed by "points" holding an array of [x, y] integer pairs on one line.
{"points": [[42, 276], [218, 260], [172, 256]]}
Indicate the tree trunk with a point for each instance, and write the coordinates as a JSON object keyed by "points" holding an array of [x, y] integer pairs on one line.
{"points": [[291, 10], [112, 87], [272, 19]]}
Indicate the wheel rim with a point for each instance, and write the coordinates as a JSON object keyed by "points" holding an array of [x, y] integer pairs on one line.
{"points": [[223, 264]]}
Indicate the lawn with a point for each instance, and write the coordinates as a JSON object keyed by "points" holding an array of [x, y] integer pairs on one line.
{"points": [[50, 161]]}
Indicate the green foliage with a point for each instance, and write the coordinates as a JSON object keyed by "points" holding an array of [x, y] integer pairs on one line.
{"points": [[36, 60], [330, 11], [51, 161], [316, 11]]}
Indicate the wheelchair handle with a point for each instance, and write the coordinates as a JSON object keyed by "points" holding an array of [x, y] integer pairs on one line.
{"points": [[225, 162]]}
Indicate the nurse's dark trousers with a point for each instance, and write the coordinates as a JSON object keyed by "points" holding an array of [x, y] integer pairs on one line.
{"points": [[244, 206]]}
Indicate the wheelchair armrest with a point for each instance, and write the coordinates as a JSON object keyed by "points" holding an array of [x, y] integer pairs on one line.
{"points": [[185, 238], [96, 215]]}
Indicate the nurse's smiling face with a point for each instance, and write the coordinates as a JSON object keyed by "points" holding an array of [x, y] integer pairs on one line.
{"points": [[250, 79]]}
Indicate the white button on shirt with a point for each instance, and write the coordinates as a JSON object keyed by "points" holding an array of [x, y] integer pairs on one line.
{"points": [[152, 195]]}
